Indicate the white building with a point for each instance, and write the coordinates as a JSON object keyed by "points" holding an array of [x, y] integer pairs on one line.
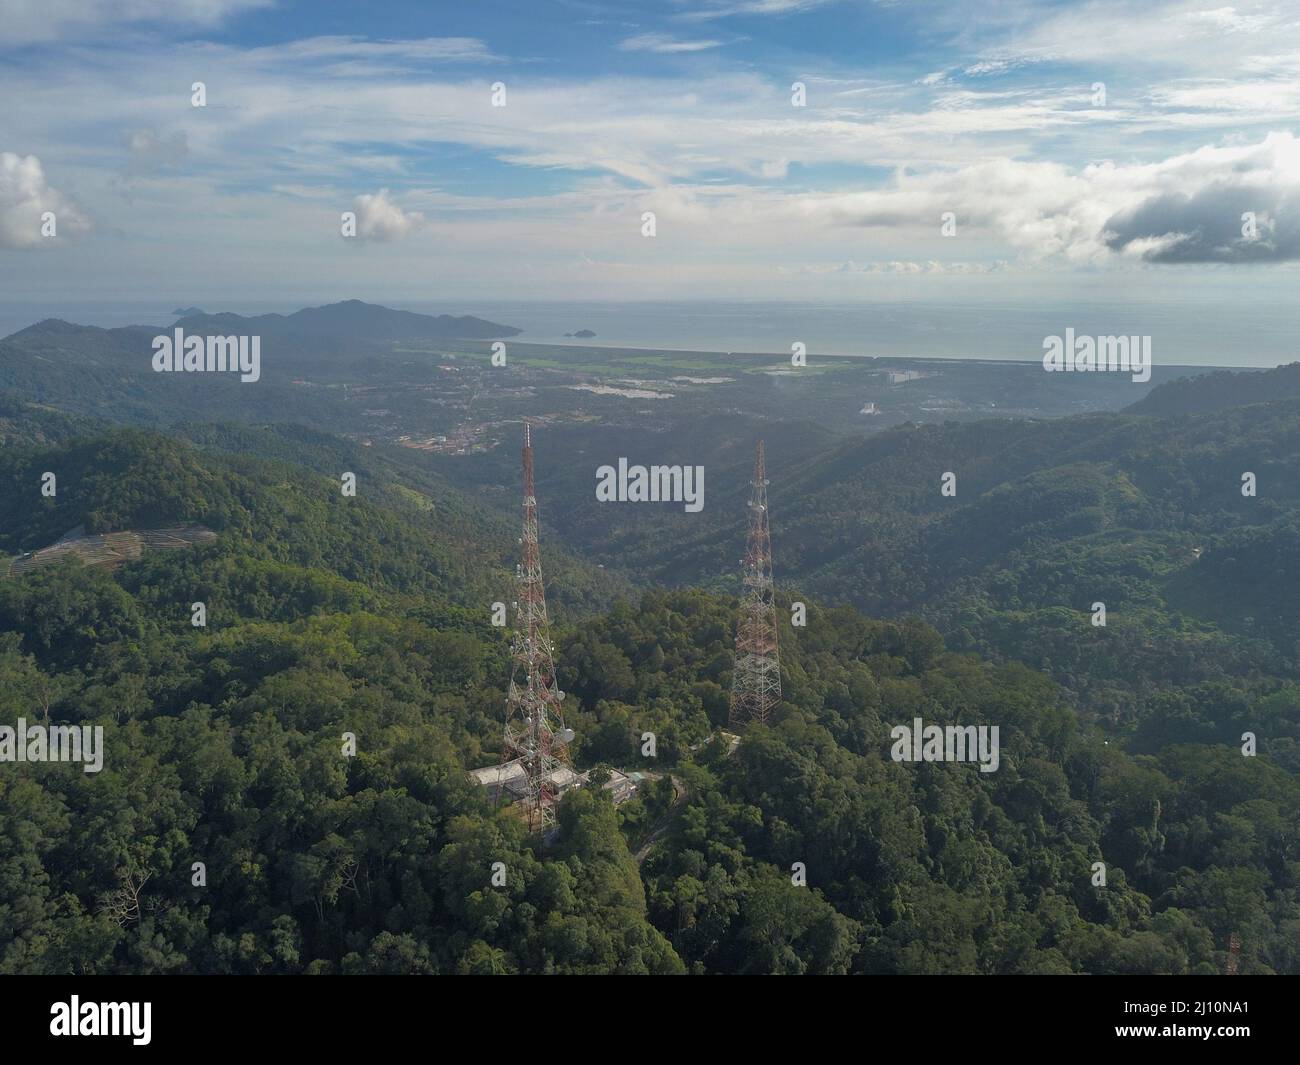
{"points": [[509, 777]]}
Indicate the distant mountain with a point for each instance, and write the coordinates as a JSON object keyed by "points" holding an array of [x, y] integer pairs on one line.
{"points": [[89, 343], [352, 320], [186, 312], [108, 373], [1220, 390]]}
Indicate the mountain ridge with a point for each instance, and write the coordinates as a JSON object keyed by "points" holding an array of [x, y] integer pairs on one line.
{"points": [[1220, 390], [367, 321]]}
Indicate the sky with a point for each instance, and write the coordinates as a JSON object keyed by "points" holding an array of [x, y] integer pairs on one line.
{"points": [[787, 149]]}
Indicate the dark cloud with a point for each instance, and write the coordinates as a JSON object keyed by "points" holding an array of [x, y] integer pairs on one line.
{"points": [[1206, 226]]}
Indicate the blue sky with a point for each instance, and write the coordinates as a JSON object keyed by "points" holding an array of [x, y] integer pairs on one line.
{"points": [[1089, 147]]}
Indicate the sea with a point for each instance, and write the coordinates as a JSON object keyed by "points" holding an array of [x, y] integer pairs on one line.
{"points": [[1183, 332]]}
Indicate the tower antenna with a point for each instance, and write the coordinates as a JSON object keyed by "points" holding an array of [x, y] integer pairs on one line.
{"points": [[756, 678], [534, 734]]}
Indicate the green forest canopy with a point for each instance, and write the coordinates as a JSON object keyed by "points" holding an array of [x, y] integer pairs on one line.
{"points": [[329, 616]]}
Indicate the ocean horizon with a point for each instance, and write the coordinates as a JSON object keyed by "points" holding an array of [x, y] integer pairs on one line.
{"points": [[1246, 337]]}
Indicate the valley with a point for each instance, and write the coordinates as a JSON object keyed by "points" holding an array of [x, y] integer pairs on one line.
{"points": [[370, 616]]}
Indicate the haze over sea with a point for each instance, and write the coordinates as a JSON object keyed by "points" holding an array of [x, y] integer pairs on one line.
{"points": [[1247, 334]]}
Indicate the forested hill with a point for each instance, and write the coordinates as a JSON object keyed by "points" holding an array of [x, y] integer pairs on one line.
{"points": [[410, 538], [368, 616], [1146, 515], [24, 423], [1220, 390], [224, 746]]}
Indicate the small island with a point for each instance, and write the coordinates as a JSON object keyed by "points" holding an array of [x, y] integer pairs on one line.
{"points": [[585, 334], [187, 312]]}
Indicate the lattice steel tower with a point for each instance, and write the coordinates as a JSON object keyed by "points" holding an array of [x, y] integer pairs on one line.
{"points": [[535, 732], [756, 679]]}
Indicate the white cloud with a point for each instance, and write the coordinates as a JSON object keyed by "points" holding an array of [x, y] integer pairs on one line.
{"points": [[745, 184], [34, 21], [986, 67], [712, 9], [280, 115], [1150, 32], [1249, 99], [907, 267], [380, 219], [340, 47], [24, 197], [1183, 209], [661, 42]]}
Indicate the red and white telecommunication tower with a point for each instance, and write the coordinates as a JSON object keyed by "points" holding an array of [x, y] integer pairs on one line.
{"points": [[535, 734], [756, 679]]}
